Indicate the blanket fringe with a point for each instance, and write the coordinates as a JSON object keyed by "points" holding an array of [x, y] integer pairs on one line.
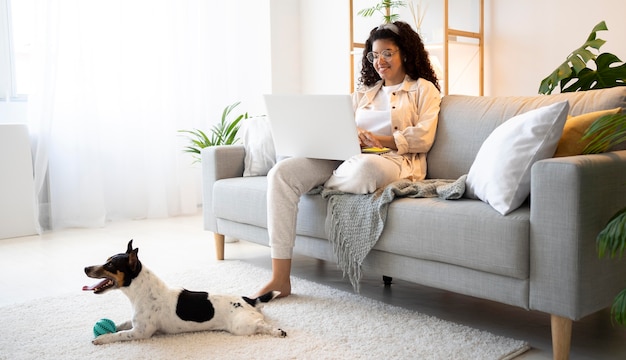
{"points": [[355, 222]]}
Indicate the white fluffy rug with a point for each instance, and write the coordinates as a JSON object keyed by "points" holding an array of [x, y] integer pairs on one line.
{"points": [[321, 323]]}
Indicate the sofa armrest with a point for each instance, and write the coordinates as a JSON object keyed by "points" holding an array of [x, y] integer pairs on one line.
{"points": [[218, 162], [572, 198]]}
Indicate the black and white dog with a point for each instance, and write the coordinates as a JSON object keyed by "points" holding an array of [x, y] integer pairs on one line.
{"points": [[158, 308]]}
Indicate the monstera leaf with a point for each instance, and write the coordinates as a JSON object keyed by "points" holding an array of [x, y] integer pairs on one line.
{"points": [[605, 75], [574, 75]]}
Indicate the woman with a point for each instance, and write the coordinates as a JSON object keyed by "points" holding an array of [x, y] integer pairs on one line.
{"points": [[396, 106]]}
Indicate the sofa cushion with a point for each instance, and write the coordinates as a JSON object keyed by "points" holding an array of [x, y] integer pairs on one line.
{"points": [[571, 142], [465, 232], [432, 233], [473, 118], [256, 135], [244, 200], [500, 174]]}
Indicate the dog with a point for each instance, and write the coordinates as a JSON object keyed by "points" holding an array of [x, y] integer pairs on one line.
{"points": [[160, 309]]}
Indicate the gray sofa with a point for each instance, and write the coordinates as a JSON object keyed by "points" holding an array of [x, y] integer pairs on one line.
{"points": [[541, 256]]}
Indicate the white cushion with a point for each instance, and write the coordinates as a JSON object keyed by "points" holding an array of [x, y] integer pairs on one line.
{"points": [[500, 174], [256, 135]]}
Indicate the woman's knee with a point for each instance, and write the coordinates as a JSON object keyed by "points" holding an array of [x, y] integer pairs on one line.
{"points": [[363, 174], [301, 173]]}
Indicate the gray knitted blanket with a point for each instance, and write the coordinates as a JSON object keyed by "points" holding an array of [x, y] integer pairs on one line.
{"points": [[355, 222]]}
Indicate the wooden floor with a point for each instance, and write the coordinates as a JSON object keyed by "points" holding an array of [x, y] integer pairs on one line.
{"points": [[52, 264]]}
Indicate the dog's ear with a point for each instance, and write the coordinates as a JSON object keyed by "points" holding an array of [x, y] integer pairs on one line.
{"points": [[133, 260], [129, 248]]}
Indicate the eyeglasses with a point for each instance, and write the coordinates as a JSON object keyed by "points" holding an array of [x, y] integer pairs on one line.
{"points": [[386, 54]]}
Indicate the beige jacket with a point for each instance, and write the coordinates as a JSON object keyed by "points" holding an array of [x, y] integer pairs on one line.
{"points": [[414, 116]]}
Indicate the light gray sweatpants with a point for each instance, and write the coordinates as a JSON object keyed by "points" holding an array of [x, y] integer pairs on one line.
{"points": [[291, 178]]}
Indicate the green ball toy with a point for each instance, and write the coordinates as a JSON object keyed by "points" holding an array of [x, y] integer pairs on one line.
{"points": [[104, 326]]}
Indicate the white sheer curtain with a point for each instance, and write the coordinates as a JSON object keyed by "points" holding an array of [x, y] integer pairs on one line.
{"points": [[117, 79]]}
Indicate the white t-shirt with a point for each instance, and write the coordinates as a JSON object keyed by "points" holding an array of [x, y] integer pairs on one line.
{"points": [[376, 118]]}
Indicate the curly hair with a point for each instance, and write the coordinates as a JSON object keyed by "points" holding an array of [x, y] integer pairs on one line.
{"points": [[416, 63]]}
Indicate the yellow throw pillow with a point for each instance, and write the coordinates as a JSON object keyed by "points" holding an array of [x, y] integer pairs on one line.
{"points": [[570, 143]]}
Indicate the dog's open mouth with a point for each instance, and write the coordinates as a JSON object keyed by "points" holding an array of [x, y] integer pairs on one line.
{"points": [[99, 287]]}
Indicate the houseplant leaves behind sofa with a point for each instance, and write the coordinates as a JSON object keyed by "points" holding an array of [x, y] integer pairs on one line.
{"points": [[612, 241], [604, 133], [223, 133], [574, 74]]}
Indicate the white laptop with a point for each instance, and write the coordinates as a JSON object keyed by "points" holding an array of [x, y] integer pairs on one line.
{"points": [[313, 126]]}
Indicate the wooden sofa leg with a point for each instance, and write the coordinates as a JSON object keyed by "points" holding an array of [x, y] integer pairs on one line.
{"points": [[561, 337], [219, 245]]}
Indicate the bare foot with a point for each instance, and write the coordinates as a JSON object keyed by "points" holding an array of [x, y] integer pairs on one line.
{"points": [[275, 285], [281, 278]]}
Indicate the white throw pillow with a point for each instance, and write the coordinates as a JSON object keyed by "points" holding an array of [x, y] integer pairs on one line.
{"points": [[500, 174], [256, 135]]}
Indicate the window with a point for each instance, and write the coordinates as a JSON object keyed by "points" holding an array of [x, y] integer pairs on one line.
{"points": [[22, 14], [16, 38]]}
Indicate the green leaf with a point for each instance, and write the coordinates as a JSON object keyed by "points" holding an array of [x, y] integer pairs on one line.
{"points": [[548, 84], [222, 133], [230, 133], [595, 43], [599, 27], [228, 109], [192, 150], [584, 80], [608, 73], [392, 18], [367, 12], [612, 239], [604, 133], [576, 65], [618, 310], [381, 8]]}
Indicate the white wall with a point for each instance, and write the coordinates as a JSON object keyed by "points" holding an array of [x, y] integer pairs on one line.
{"points": [[309, 42], [527, 40], [310, 46], [251, 38], [325, 45], [285, 46]]}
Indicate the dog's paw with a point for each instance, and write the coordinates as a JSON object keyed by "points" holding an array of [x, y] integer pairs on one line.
{"points": [[281, 333], [102, 339]]}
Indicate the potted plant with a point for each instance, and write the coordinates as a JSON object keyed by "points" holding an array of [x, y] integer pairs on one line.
{"points": [[603, 134], [384, 8], [612, 241], [574, 74], [223, 133], [417, 8]]}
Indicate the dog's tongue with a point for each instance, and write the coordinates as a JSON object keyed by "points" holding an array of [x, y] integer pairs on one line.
{"points": [[95, 286]]}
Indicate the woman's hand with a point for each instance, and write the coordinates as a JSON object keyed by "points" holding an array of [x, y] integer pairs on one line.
{"points": [[367, 139]]}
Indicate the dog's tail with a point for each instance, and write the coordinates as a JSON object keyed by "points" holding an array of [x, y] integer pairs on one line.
{"points": [[265, 298]]}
